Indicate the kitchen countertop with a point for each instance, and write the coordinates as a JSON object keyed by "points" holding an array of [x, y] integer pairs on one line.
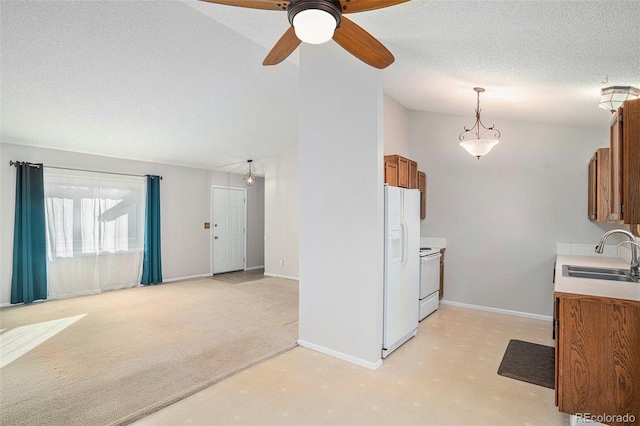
{"points": [[592, 287]]}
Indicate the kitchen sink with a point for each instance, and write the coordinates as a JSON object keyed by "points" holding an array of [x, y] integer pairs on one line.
{"points": [[610, 274]]}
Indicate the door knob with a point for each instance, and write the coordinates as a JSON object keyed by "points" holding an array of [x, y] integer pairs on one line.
{"points": [[216, 237]]}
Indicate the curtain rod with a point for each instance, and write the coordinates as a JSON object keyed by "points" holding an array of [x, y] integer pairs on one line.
{"points": [[13, 163]]}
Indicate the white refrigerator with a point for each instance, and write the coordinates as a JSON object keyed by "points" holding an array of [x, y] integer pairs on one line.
{"points": [[402, 266]]}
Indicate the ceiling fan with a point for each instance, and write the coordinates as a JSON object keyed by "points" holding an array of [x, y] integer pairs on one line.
{"points": [[318, 21]]}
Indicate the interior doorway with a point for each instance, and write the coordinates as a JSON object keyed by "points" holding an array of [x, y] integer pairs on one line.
{"points": [[228, 229]]}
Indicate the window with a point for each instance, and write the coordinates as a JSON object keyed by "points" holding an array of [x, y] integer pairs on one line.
{"points": [[95, 231]]}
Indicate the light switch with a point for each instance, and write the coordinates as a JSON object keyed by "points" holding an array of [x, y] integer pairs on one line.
{"points": [[207, 225]]}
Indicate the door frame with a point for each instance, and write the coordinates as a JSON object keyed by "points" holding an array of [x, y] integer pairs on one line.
{"points": [[211, 209]]}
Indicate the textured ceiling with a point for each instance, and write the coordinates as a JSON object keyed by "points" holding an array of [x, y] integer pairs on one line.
{"points": [[181, 82]]}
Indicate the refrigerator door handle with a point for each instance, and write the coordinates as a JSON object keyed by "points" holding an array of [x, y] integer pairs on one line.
{"points": [[405, 233], [405, 242]]}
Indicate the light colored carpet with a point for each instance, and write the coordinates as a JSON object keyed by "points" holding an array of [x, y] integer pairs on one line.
{"points": [[138, 350], [238, 277]]}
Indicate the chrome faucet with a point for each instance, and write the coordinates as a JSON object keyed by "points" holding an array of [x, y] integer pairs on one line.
{"points": [[635, 264]]}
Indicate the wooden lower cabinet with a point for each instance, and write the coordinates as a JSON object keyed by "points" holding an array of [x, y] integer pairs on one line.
{"points": [[598, 356]]}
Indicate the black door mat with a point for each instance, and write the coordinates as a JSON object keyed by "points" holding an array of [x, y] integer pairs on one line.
{"points": [[529, 362]]}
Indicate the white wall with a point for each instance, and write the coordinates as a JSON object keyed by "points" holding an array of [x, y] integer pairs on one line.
{"points": [[502, 215], [185, 206], [341, 205], [282, 192], [2, 238], [255, 220], [282, 214], [396, 128]]}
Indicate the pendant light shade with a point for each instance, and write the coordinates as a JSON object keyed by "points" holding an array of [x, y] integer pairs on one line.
{"points": [[249, 178], [479, 147], [474, 140], [611, 98]]}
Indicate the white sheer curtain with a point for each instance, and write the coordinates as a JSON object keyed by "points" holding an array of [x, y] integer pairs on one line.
{"points": [[95, 231]]}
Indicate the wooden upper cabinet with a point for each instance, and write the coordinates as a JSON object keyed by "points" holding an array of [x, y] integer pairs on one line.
{"points": [[402, 170], [591, 200], [615, 165], [391, 173], [631, 161], [422, 186], [599, 188], [625, 163], [413, 175]]}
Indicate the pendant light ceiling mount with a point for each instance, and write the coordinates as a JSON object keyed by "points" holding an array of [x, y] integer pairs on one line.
{"points": [[479, 139], [249, 178]]}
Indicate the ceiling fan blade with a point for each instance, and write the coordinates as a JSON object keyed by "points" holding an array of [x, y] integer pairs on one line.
{"points": [[255, 4], [353, 6], [283, 48], [355, 40]]}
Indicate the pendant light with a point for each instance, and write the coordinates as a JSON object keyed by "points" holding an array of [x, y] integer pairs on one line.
{"points": [[611, 98], [474, 140], [249, 178]]}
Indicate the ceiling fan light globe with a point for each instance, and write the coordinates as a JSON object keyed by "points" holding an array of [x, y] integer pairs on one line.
{"points": [[479, 147], [314, 26]]}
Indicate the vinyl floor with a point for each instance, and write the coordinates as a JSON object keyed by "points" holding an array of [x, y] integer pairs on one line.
{"points": [[446, 375]]}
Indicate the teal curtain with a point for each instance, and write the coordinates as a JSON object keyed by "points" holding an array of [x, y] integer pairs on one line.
{"points": [[29, 279], [152, 263]]}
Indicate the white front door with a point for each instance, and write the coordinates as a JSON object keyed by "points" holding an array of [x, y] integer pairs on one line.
{"points": [[228, 229]]}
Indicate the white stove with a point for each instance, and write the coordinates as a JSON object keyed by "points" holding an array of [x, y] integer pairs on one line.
{"points": [[428, 251], [429, 280]]}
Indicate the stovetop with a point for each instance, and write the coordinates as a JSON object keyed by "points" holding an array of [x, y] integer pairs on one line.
{"points": [[426, 251]]}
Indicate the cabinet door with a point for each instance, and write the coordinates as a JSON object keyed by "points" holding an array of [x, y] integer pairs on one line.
{"points": [[597, 356], [391, 173], [631, 161], [413, 175], [422, 186], [591, 210], [557, 337], [600, 191], [403, 172], [615, 165], [603, 195]]}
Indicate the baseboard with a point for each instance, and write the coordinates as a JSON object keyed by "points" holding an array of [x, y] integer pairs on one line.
{"points": [[340, 355], [268, 274], [186, 278], [498, 310], [253, 268]]}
